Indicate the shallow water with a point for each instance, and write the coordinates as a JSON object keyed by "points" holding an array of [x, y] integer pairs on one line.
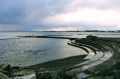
{"points": [[29, 51]]}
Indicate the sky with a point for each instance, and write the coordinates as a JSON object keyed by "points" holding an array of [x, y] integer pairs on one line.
{"points": [[59, 15]]}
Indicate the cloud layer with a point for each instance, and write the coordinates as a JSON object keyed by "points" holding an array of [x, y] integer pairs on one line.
{"points": [[35, 15]]}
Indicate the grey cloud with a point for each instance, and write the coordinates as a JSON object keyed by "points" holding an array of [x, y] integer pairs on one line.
{"points": [[38, 10], [28, 14], [10, 11], [29, 11]]}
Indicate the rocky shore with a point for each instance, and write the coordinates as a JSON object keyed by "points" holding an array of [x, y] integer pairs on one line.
{"points": [[102, 62], [102, 59], [8, 72]]}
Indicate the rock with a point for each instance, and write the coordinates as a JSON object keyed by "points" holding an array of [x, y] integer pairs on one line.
{"points": [[109, 77], [5, 72], [98, 77], [2, 76], [117, 74], [22, 72], [5, 67], [43, 74], [15, 68], [55, 76], [75, 77], [64, 76]]}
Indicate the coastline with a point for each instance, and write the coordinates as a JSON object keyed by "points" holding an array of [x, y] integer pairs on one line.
{"points": [[57, 64], [93, 65]]}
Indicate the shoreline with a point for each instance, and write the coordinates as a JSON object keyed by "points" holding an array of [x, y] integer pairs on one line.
{"points": [[108, 48], [52, 65], [59, 64]]}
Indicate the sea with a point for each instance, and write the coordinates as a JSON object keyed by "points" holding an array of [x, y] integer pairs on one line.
{"points": [[18, 51]]}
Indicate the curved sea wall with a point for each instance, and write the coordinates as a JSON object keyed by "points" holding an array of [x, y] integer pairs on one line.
{"points": [[103, 62], [102, 59]]}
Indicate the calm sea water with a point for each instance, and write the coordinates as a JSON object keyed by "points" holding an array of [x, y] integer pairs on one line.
{"points": [[29, 51]]}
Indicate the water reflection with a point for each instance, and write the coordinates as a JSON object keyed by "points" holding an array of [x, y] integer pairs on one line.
{"points": [[29, 51]]}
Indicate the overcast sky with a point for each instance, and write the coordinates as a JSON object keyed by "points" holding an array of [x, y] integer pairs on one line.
{"points": [[59, 15]]}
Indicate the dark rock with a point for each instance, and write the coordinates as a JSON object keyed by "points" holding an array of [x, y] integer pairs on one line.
{"points": [[98, 77], [15, 68], [22, 72], [43, 74], [74, 77], [109, 77], [5, 67], [64, 76], [2, 76], [117, 74], [5, 72], [55, 76]]}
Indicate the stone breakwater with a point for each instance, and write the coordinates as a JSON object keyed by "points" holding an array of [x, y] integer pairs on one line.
{"points": [[103, 56], [101, 62], [102, 59]]}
